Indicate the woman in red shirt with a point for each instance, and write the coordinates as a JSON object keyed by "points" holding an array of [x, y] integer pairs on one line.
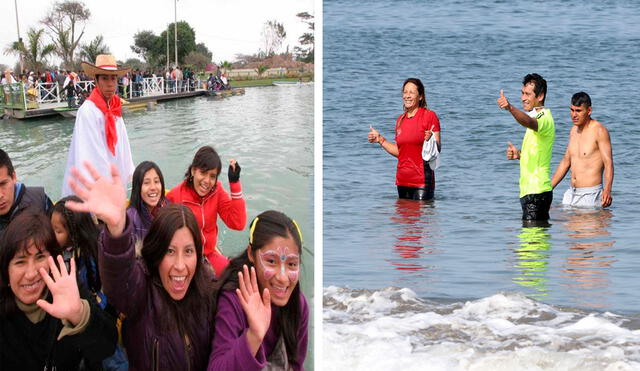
{"points": [[415, 178], [203, 193]]}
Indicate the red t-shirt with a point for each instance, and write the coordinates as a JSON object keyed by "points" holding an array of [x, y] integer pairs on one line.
{"points": [[409, 138]]}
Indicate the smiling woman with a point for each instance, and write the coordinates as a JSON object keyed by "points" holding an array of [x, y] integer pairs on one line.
{"points": [[203, 193], [147, 197], [37, 334], [167, 295]]}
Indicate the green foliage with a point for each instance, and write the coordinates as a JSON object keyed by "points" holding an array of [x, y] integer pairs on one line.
{"points": [[134, 64], [153, 48], [202, 49], [35, 52], [89, 52], [196, 60], [306, 52], [261, 69]]}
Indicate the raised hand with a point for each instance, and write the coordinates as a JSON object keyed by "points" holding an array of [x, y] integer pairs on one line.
{"points": [[374, 135], [104, 197], [64, 288], [512, 152], [234, 171], [503, 103], [257, 308]]}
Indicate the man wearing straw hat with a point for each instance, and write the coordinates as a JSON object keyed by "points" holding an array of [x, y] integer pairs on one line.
{"points": [[99, 135]]}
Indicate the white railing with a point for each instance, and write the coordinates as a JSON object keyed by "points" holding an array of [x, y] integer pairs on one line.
{"points": [[52, 92]]}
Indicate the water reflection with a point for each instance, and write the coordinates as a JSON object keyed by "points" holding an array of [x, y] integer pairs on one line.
{"points": [[587, 267], [415, 238], [533, 259]]}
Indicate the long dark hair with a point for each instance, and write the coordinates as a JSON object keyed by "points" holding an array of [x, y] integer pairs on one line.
{"points": [[83, 235], [27, 227], [423, 98], [182, 315], [205, 159], [266, 227], [136, 190]]}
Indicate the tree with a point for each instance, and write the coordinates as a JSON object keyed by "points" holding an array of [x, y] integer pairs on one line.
{"points": [[145, 44], [306, 52], [226, 65], [186, 42], [134, 64], [261, 69], [273, 35], [202, 49], [89, 52], [197, 60], [62, 21], [35, 52]]}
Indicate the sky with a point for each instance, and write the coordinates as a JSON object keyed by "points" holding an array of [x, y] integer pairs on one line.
{"points": [[226, 27]]}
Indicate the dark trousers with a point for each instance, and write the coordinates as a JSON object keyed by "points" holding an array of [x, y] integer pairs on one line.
{"points": [[536, 206]]}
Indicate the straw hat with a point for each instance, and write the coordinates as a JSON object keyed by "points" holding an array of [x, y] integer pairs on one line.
{"points": [[105, 65]]}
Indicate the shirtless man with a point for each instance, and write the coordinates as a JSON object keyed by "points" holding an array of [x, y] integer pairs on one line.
{"points": [[588, 156]]}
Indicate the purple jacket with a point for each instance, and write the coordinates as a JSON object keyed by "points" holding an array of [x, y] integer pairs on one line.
{"points": [[132, 291], [230, 347]]}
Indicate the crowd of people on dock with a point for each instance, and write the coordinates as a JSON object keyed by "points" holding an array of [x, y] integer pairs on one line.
{"points": [[78, 275], [589, 156], [130, 85]]}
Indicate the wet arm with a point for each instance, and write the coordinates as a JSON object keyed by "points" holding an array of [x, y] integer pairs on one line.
{"points": [[561, 170], [604, 144], [522, 118]]}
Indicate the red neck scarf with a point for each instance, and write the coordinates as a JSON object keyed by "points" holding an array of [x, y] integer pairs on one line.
{"points": [[110, 111]]}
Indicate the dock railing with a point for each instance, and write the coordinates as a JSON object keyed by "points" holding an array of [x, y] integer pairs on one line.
{"points": [[15, 96]]}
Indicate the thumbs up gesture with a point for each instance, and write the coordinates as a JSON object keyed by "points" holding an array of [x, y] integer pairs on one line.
{"points": [[503, 103], [374, 135], [512, 152]]}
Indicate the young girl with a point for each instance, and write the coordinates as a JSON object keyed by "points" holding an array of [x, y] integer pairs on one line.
{"points": [[253, 331], [77, 235], [203, 193], [147, 197]]}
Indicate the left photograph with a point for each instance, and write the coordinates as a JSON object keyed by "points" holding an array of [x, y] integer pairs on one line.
{"points": [[150, 215]]}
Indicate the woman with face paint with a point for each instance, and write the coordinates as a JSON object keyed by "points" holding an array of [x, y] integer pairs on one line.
{"points": [[46, 322], [167, 295], [262, 317], [203, 193]]}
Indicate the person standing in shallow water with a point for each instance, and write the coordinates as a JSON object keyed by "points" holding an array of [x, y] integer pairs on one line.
{"points": [[589, 156], [415, 177], [535, 158]]}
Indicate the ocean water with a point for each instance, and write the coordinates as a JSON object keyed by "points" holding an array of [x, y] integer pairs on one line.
{"points": [[459, 282], [260, 129]]}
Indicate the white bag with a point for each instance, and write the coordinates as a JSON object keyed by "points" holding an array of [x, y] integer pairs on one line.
{"points": [[430, 152]]}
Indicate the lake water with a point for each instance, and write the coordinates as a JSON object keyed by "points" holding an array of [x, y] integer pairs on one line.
{"points": [[268, 130], [458, 283]]}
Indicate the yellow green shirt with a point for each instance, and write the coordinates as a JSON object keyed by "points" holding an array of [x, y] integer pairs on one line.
{"points": [[535, 156]]}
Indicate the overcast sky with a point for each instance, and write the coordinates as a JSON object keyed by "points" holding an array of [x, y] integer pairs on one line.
{"points": [[227, 27]]}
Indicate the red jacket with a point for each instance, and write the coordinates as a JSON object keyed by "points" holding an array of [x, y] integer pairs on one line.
{"points": [[232, 210]]}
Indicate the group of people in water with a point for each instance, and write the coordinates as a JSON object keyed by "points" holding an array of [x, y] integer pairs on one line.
{"points": [[588, 155], [78, 275]]}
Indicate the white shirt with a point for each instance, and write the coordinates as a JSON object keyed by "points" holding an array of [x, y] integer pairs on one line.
{"points": [[89, 143]]}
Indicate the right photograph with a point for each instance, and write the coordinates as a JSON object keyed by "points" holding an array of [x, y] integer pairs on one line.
{"points": [[480, 172]]}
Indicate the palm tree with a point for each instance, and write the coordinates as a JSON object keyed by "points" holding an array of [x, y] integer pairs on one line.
{"points": [[228, 66], [35, 52], [89, 52], [261, 69]]}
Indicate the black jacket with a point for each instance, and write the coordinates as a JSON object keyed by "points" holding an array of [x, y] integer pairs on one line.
{"points": [[32, 198]]}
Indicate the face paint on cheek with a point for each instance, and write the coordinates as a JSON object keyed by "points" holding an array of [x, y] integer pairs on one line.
{"points": [[268, 273], [293, 276]]}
